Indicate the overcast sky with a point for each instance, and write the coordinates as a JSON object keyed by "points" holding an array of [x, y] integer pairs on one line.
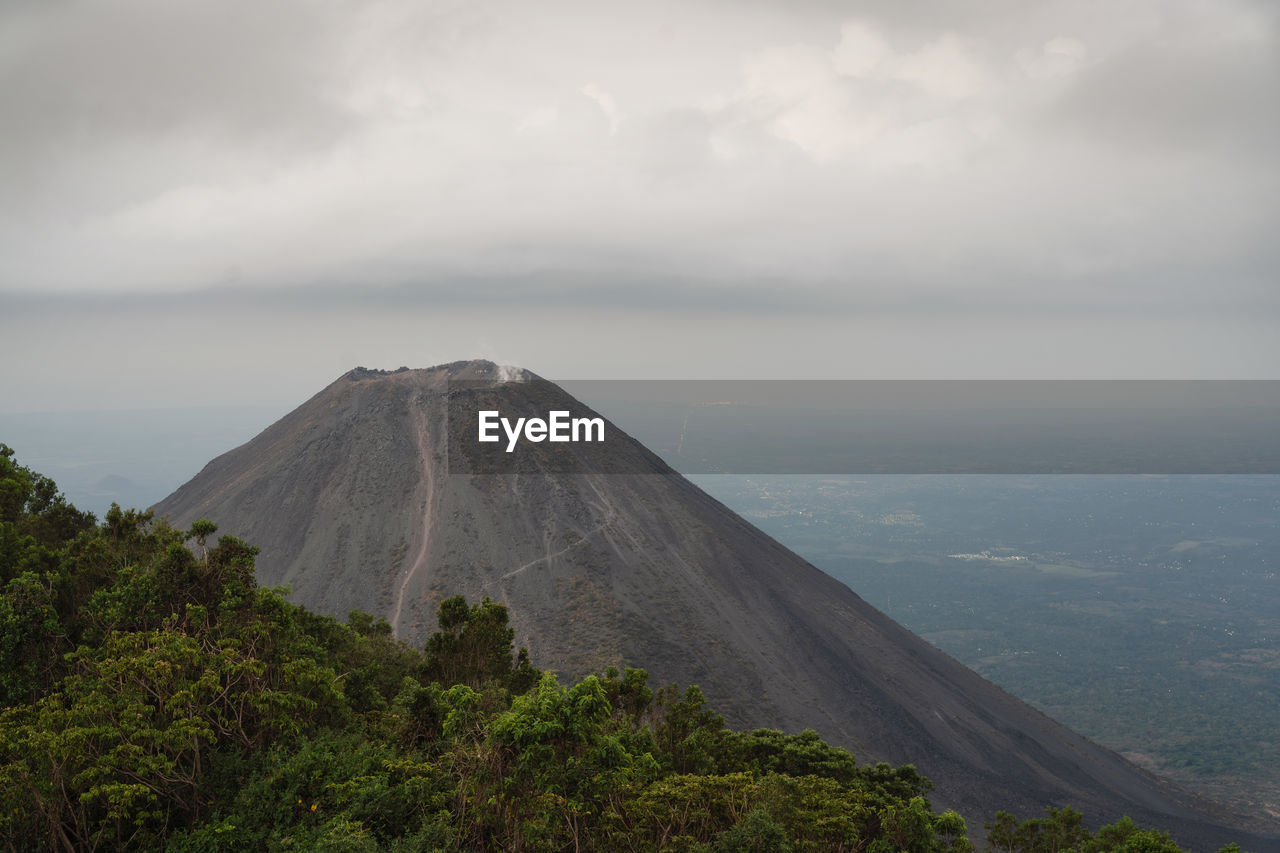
{"points": [[235, 202]]}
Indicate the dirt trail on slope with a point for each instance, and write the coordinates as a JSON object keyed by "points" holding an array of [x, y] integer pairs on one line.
{"points": [[546, 558], [606, 508], [428, 520]]}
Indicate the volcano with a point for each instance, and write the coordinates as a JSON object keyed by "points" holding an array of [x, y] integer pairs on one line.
{"points": [[355, 505]]}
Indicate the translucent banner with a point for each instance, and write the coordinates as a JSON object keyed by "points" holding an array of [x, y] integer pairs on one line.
{"points": [[866, 427]]}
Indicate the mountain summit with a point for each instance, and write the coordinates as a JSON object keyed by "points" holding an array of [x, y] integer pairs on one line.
{"points": [[354, 505]]}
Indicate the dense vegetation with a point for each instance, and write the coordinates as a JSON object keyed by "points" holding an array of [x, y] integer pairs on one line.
{"points": [[155, 697]]}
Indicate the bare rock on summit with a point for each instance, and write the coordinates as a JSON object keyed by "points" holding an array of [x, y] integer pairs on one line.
{"points": [[353, 504]]}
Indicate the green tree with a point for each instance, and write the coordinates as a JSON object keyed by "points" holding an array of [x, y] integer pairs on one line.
{"points": [[1125, 836], [691, 736], [551, 765], [32, 503], [755, 833], [1058, 831], [474, 645], [201, 531]]}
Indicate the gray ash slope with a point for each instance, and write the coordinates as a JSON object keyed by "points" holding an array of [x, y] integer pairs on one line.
{"points": [[349, 499]]}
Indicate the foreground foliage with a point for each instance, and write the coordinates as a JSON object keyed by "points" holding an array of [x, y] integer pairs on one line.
{"points": [[154, 697]]}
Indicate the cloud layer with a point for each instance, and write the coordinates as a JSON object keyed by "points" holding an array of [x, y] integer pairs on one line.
{"points": [[1057, 158]]}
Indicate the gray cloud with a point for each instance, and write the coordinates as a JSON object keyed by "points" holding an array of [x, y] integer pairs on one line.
{"points": [[915, 159], [109, 105], [1208, 101]]}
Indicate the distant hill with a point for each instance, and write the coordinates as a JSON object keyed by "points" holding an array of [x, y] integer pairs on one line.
{"points": [[352, 502]]}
